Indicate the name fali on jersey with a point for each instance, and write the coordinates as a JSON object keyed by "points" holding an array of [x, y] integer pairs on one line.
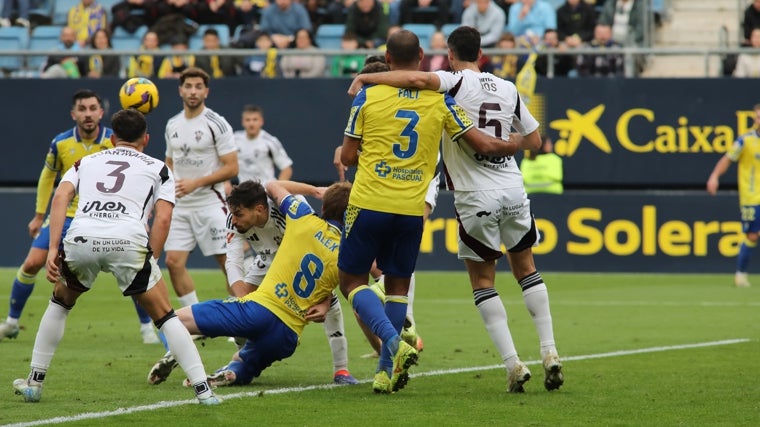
{"points": [[409, 93], [98, 209]]}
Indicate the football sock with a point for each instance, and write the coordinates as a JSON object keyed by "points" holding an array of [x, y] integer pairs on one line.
{"points": [[536, 299], [188, 299], [745, 252], [371, 311], [22, 288], [494, 317], [336, 336], [410, 305], [184, 350], [141, 313], [50, 333], [395, 310]]}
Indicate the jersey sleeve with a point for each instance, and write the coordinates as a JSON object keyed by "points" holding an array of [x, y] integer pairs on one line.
{"points": [[524, 122], [72, 175], [457, 121], [293, 207], [735, 151], [225, 141], [166, 190], [448, 80], [53, 160], [169, 154], [235, 257], [355, 126], [279, 155]]}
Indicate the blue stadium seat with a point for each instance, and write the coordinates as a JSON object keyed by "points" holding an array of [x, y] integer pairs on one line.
{"points": [[61, 11], [328, 36], [121, 39], [13, 38], [42, 8], [44, 37], [196, 40], [446, 29], [423, 31]]}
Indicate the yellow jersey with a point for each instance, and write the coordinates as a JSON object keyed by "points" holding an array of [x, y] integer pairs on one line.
{"points": [[305, 269], [746, 153], [65, 150], [400, 131]]}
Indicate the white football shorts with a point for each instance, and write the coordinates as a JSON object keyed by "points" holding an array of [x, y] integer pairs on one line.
{"points": [[202, 227]]}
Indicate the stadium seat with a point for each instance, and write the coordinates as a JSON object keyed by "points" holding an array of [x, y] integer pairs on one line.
{"points": [[423, 31], [446, 29], [44, 37], [61, 11], [13, 38], [42, 10], [328, 36], [196, 40], [121, 39]]}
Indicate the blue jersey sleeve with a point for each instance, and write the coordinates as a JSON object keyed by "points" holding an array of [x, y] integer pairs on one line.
{"points": [[295, 207]]}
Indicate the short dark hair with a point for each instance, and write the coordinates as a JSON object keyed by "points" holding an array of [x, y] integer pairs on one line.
{"points": [[193, 72], [85, 94], [404, 47], [247, 194], [250, 108], [211, 32], [129, 125], [464, 43], [335, 201], [374, 58], [374, 67]]}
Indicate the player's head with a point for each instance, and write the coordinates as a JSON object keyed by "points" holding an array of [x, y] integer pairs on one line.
{"points": [[86, 111], [253, 120], [335, 201], [374, 67], [129, 126], [248, 205], [403, 51], [193, 87], [464, 44]]}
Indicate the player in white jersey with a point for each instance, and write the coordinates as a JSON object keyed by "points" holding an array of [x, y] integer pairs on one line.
{"points": [[490, 199], [201, 151], [118, 190], [256, 221], [259, 152]]}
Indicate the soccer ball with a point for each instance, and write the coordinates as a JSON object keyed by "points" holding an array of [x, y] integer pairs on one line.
{"points": [[139, 93]]}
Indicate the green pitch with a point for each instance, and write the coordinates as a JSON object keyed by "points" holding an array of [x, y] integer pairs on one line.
{"points": [[638, 350]]}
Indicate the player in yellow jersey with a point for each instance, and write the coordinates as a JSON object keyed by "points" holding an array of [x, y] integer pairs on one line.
{"points": [[296, 290], [398, 132], [746, 153], [87, 137]]}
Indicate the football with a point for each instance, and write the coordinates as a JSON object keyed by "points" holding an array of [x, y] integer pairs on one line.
{"points": [[139, 93]]}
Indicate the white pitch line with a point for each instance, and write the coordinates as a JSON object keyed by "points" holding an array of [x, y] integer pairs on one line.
{"points": [[161, 405]]}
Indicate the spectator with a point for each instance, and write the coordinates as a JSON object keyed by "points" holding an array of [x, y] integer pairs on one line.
{"points": [[751, 21], [748, 64], [531, 17], [282, 20], [576, 18], [172, 66], [505, 66], [542, 170], [132, 14], [303, 66], [434, 12], [337, 11], [86, 18], [563, 64], [317, 10], [602, 64], [625, 18], [7, 11], [265, 65], [100, 65], [249, 12], [174, 18], [367, 20], [351, 63], [216, 66], [222, 12], [145, 65], [436, 62], [486, 17], [66, 65]]}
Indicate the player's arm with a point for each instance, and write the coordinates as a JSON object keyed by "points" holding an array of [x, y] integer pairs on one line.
{"points": [[318, 311], [44, 191], [162, 218], [285, 173], [278, 190], [720, 168], [234, 265], [63, 196], [227, 171], [169, 163], [418, 79], [488, 145], [349, 152]]}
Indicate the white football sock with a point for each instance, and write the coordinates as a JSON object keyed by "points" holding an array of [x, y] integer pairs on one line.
{"points": [[52, 326], [537, 301], [184, 350], [336, 335], [188, 299], [410, 306], [494, 317]]}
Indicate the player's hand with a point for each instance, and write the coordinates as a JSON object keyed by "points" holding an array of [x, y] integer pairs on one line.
{"points": [[317, 313], [53, 269], [35, 225], [339, 166], [712, 185], [319, 192], [356, 85], [184, 187]]}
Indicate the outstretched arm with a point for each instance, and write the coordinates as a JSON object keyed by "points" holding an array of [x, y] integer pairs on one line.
{"points": [[720, 168], [418, 79]]}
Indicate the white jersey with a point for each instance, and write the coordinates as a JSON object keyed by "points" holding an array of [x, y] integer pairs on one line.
{"points": [[117, 191], [264, 242], [258, 157], [195, 145], [494, 105]]}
